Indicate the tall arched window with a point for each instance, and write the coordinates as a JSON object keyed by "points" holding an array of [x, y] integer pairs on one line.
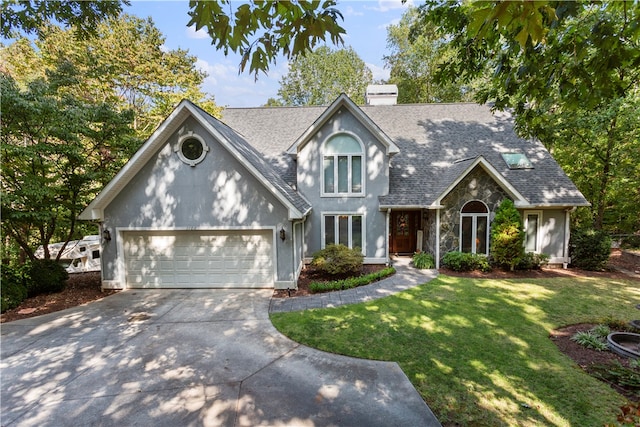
{"points": [[343, 166], [474, 228]]}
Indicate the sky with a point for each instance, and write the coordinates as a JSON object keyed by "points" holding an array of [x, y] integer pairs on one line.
{"points": [[365, 22]]}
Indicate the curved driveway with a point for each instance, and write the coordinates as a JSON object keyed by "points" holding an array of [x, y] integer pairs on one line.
{"points": [[189, 357]]}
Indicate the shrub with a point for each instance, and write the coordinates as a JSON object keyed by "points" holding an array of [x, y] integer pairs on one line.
{"points": [[589, 340], [46, 276], [590, 249], [532, 261], [352, 282], [507, 236], [338, 260], [464, 261], [12, 287], [423, 260], [630, 242]]}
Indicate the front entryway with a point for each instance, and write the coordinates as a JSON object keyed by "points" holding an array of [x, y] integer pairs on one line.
{"points": [[404, 228]]}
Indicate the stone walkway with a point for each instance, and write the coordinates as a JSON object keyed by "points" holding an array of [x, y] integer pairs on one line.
{"points": [[406, 277]]}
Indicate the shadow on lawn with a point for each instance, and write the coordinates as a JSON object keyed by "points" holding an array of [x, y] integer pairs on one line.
{"points": [[478, 350]]}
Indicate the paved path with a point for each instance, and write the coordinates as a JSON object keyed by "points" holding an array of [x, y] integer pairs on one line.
{"points": [[207, 357], [406, 277]]}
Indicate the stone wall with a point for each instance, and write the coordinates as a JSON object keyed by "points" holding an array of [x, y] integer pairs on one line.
{"points": [[478, 185]]}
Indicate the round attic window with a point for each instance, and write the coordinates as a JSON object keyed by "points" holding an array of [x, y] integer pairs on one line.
{"points": [[191, 149]]}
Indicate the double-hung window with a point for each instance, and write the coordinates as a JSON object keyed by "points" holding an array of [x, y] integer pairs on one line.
{"points": [[345, 229], [532, 224], [343, 166]]}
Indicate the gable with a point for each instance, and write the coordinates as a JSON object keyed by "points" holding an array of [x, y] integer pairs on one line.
{"points": [[235, 145], [340, 106]]}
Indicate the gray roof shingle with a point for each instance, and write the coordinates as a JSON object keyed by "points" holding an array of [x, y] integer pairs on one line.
{"points": [[434, 141]]}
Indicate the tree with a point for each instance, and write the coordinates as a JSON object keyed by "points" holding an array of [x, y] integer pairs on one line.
{"points": [[414, 60], [56, 150], [261, 30], [507, 236], [30, 16], [318, 78], [124, 65], [570, 70]]}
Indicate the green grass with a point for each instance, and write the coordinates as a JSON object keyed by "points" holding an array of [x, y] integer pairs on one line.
{"points": [[478, 351]]}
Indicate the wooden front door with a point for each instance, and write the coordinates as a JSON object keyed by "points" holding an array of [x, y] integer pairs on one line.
{"points": [[403, 228]]}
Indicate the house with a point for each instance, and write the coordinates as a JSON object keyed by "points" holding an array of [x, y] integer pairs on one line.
{"points": [[246, 200]]}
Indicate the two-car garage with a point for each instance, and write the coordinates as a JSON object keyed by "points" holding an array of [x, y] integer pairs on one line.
{"points": [[198, 258]]}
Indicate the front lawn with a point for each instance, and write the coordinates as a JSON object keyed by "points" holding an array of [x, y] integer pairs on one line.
{"points": [[478, 350]]}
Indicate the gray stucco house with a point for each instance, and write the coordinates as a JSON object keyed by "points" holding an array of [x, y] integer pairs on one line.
{"points": [[246, 200]]}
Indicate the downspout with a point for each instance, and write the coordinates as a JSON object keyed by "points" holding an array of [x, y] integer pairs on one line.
{"points": [[437, 238], [388, 236], [567, 236], [293, 254]]}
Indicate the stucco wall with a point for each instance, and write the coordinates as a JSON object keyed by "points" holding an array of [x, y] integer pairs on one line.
{"points": [[376, 183], [218, 193]]}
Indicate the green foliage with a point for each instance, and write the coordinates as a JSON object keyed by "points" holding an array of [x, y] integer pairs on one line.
{"points": [[30, 16], [616, 373], [568, 70], [338, 260], [588, 340], [630, 242], [57, 149], [351, 282], [12, 287], [590, 249], [319, 77], [532, 261], [46, 276], [260, 31], [474, 347], [507, 236], [465, 261], [414, 60], [423, 260]]}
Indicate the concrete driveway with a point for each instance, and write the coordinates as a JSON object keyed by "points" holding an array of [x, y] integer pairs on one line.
{"points": [[189, 357]]}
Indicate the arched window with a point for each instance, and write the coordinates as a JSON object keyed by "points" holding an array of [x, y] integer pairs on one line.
{"points": [[343, 166], [474, 228]]}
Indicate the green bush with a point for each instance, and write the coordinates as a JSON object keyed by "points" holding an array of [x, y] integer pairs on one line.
{"points": [[464, 261], [46, 276], [630, 242], [589, 340], [507, 236], [12, 287], [590, 249], [532, 261], [338, 260], [423, 260], [352, 282]]}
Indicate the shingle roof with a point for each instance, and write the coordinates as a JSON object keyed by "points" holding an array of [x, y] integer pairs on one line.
{"points": [[436, 143]]}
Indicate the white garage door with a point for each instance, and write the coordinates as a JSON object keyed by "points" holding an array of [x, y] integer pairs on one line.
{"points": [[199, 259]]}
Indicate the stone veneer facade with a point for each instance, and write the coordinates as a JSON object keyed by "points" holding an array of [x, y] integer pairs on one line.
{"points": [[477, 185]]}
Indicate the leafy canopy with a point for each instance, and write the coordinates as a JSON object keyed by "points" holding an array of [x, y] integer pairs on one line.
{"points": [[30, 16], [319, 77], [261, 30]]}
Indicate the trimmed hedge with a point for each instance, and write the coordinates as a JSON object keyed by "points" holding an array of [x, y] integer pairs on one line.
{"points": [[338, 260], [465, 261], [46, 276], [590, 249], [352, 282]]}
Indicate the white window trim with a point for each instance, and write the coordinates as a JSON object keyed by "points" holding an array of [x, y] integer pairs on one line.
{"points": [[363, 160], [526, 214], [323, 243], [178, 148], [474, 226]]}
